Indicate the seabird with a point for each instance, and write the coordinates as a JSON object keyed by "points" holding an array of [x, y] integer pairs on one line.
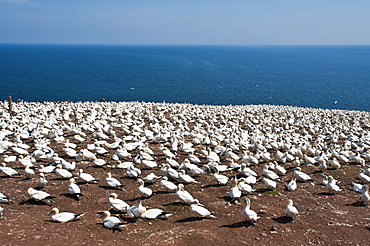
{"points": [[64, 216]]}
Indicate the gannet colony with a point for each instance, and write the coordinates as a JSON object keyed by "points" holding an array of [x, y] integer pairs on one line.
{"points": [[143, 149]]}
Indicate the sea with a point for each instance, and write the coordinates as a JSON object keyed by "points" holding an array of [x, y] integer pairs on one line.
{"points": [[329, 77]]}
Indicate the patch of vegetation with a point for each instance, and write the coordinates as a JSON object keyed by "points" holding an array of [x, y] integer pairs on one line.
{"points": [[272, 192]]}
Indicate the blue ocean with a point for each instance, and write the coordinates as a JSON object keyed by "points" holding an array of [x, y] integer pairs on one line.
{"points": [[332, 77]]}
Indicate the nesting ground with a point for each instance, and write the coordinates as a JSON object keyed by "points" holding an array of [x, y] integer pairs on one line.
{"points": [[324, 219]]}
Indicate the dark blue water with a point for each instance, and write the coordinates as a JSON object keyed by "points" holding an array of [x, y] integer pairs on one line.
{"points": [[308, 76]]}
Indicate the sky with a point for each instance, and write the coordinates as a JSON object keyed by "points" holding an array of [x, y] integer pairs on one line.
{"points": [[186, 22]]}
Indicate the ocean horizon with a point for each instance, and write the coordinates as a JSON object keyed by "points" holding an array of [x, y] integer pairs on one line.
{"points": [[330, 77]]}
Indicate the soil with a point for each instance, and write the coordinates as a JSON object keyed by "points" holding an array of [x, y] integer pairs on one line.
{"points": [[324, 218]]}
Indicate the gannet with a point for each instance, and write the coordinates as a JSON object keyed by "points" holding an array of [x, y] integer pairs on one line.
{"points": [[167, 184], [8, 170], [73, 188], [3, 198], [28, 172], [118, 204], [186, 178], [290, 210], [199, 210], [47, 169], [151, 178], [363, 177], [85, 176], [357, 187], [135, 211], [38, 195], [145, 191], [300, 175], [64, 173], [235, 192], [64, 216], [111, 222], [331, 185], [42, 182], [364, 197], [184, 195], [112, 182], [221, 179], [292, 185], [268, 173], [249, 215], [271, 184], [244, 186]]}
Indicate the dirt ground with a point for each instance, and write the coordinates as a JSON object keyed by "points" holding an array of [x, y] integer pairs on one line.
{"points": [[324, 218]]}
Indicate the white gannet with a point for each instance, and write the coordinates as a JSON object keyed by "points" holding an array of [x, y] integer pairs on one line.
{"points": [[167, 184], [200, 211], [292, 185], [85, 176], [363, 177], [271, 184], [118, 204], [154, 213], [28, 172], [145, 191], [73, 188], [221, 179], [111, 222], [135, 211], [244, 186], [268, 173], [47, 169], [112, 182], [64, 173], [235, 192], [184, 195], [331, 185], [297, 173], [42, 182], [249, 215], [151, 178], [8, 170], [186, 178], [38, 195], [357, 187], [291, 211], [64, 216], [364, 197]]}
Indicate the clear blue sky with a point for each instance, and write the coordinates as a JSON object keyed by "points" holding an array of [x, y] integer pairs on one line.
{"points": [[189, 22]]}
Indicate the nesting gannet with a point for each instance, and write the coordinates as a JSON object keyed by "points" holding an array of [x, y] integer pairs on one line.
{"points": [[85, 176], [292, 185], [3, 198], [271, 184], [118, 204], [145, 191], [151, 178], [290, 210], [364, 197], [331, 185], [133, 172], [246, 171], [64, 173], [167, 184], [98, 162], [8, 170], [197, 209], [235, 192], [168, 171], [42, 182], [186, 178], [111, 222], [249, 215], [244, 186], [112, 182], [73, 188], [154, 213], [184, 195], [28, 172], [64, 216], [357, 187], [135, 211], [363, 177], [47, 169], [268, 173], [297, 173], [221, 179], [38, 195]]}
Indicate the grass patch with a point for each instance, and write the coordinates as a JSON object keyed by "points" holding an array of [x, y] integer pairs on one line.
{"points": [[272, 192]]}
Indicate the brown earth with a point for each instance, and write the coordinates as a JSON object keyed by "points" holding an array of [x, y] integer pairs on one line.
{"points": [[324, 219]]}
